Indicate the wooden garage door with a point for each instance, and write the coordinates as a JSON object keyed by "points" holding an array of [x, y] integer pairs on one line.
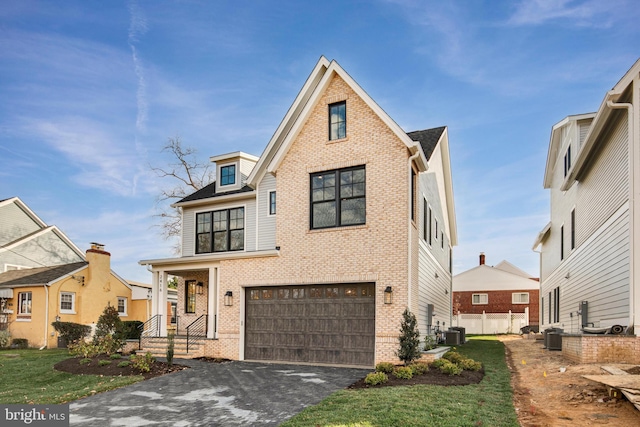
{"points": [[333, 324]]}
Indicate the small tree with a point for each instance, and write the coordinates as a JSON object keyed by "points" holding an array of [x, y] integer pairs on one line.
{"points": [[109, 329], [409, 338], [170, 349]]}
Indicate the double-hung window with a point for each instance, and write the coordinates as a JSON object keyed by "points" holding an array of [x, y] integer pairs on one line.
{"points": [[338, 198], [220, 231], [337, 120], [520, 298], [67, 302], [480, 299], [24, 303], [122, 306]]}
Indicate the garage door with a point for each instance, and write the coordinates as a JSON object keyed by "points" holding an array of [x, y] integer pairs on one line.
{"points": [[333, 324]]}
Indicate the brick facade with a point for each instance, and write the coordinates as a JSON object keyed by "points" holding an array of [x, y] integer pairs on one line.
{"points": [[601, 348], [498, 302]]}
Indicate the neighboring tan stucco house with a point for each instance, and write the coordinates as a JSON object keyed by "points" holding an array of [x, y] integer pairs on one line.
{"points": [[590, 249], [501, 289], [76, 292], [312, 251]]}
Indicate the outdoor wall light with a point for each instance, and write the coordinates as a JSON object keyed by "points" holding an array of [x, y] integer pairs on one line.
{"points": [[57, 318], [200, 287], [228, 298], [387, 295]]}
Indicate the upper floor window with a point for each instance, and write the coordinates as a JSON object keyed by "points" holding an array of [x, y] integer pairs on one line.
{"points": [[24, 303], [228, 175], [520, 298], [67, 302], [220, 231], [122, 306], [272, 202], [561, 242], [573, 229], [337, 120], [567, 161], [338, 198], [425, 220], [480, 299]]}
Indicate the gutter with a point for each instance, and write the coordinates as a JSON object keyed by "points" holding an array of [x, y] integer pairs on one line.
{"points": [[632, 190], [46, 316]]}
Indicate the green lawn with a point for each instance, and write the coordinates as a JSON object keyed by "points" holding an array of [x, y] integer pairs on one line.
{"points": [[30, 378], [486, 404]]}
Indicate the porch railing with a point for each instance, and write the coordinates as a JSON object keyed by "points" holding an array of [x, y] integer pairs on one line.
{"points": [[150, 328], [197, 329]]}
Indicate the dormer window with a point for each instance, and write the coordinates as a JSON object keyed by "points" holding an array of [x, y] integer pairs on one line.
{"points": [[228, 175], [337, 120], [567, 161]]}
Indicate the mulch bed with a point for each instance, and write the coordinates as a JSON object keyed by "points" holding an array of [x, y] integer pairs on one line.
{"points": [[433, 377], [73, 366]]}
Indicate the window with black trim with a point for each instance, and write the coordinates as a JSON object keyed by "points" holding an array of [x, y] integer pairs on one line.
{"points": [[272, 202], [567, 161], [573, 229], [190, 296], [337, 120], [338, 198], [220, 231], [228, 175], [425, 220], [561, 243]]}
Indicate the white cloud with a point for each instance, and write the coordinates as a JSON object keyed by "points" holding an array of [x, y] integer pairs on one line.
{"points": [[591, 13]]}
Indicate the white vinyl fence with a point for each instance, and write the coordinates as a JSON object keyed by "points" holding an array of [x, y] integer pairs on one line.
{"points": [[492, 323]]}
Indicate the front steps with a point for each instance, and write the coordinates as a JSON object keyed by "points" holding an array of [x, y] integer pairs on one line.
{"points": [[157, 346]]}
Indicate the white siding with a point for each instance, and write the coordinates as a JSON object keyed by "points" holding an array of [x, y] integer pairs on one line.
{"points": [[432, 290], [43, 250], [189, 224], [266, 222], [598, 272], [15, 223]]}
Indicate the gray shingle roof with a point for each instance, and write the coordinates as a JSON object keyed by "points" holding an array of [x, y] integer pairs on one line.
{"points": [[428, 139], [210, 191], [38, 276]]}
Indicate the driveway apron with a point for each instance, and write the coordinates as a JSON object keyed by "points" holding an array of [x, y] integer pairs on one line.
{"points": [[215, 394]]}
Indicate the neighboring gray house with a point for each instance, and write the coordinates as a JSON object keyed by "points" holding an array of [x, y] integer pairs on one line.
{"points": [[590, 249]]}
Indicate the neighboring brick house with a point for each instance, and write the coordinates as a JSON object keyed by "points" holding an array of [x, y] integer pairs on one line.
{"points": [[503, 288], [312, 251], [590, 249]]}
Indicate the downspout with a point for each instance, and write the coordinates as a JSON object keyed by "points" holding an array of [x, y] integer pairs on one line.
{"points": [[46, 316], [633, 165], [411, 206]]}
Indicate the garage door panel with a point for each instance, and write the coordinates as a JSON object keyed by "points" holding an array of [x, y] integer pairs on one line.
{"points": [[332, 324]]}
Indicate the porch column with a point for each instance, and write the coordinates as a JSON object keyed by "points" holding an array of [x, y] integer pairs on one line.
{"points": [[162, 302], [154, 293], [212, 306]]}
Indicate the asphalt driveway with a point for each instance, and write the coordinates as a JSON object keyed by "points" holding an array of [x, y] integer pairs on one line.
{"points": [[215, 394]]}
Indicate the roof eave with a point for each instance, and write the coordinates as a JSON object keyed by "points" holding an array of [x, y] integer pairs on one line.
{"points": [[217, 199]]}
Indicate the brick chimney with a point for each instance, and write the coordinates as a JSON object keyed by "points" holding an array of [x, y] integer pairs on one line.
{"points": [[481, 258]]}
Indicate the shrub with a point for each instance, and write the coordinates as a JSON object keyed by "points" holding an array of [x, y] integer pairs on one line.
{"points": [[143, 362], [71, 332], [409, 338], [109, 324], [107, 344], [104, 362], [116, 356], [5, 338], [438, 363], [404, 372], [447, 367], [419, 368], [20, 343], [376, 378], [170, 347], [131, 329], [470, 365], [429, 342], [84, 349], [85, 361], [453, 357], [386, 367], [124, 364]]}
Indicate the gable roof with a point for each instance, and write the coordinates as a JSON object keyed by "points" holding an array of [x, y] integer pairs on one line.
{"points": [[209, 191], [505, 265], [39, 276], [296, 116], [487, 278], [428, 139]]}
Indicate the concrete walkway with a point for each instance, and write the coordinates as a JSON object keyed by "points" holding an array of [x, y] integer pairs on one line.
{"points": [[215, 394]]}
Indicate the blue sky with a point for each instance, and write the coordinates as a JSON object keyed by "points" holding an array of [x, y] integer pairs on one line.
{"points": [[91, 90]]}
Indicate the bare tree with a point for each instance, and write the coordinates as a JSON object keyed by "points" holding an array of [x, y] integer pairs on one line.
{"points": [[187, 174]]}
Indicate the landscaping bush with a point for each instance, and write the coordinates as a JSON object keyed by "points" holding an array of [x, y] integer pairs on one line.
{"points": [[20, 343], [124, 364], [84, 349], [109, 325], [143, 362], [470, 365], [85, 361], [5, 338], [376, 378], [447, 367], [419, 368], [104, 362], [71, 332], [107, 344], [453, 357], [403, 372], [409, 338], [131, 329], [386, 367], [115, 356]]}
